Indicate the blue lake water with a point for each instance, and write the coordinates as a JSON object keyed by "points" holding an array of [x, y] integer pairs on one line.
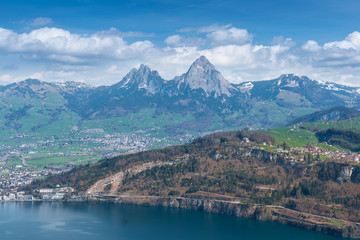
{"points": [[108, 221]]}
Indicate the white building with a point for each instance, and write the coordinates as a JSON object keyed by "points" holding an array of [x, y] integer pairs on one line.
{"points": [[12, 197], [45, 191]]}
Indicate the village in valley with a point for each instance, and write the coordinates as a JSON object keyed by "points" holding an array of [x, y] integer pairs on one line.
{"points": [[14, 176], [25, 159], [29, 158]]}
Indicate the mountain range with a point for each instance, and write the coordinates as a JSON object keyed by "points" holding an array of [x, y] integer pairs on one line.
{"points": [[201, 99]]}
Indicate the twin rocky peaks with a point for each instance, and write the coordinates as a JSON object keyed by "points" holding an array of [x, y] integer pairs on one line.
{"points": [[201, 75], [202, 78], [201, 97]]}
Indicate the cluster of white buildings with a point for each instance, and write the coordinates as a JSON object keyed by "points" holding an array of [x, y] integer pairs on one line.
{"points": [[41, 194], [54, 194], [16, 196]]}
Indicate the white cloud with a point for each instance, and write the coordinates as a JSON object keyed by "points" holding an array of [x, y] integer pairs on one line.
{"points": [[216, 35], [206, 29], [174, 40], [41, 21], [338, 54], [311, 46], [105, 57], [178, 41], [5, 79], [55, 75], [114, 32], [352, 41], [232, 55], [61, 45], [229, 36]]}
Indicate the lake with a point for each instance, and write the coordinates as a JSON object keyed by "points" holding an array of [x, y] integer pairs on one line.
{"points": [[108, 221]]}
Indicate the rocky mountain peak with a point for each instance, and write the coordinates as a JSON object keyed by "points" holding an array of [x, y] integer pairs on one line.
{"points": [[292, 80], [292, 76], [30, 81], [203, 75], [143, 69], [26, 84], [142, 72], [142, 78], [204, 64], [71, 87]]}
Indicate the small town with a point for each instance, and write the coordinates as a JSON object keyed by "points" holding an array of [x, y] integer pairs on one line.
{"points": [[13, 177], [31, 159], [40, 195]]}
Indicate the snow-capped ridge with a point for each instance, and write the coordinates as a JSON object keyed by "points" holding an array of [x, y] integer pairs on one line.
{"points": [[245, 87]]}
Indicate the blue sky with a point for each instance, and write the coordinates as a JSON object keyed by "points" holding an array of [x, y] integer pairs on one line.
{"points": [[98, 42]]}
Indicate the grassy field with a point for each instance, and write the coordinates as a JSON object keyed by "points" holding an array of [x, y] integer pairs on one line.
{"points": [[60, 160], [300, 135], [139, 121]]}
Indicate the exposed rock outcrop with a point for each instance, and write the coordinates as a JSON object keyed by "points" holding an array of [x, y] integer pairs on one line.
{"points": [[345, 174], [263, 155]]}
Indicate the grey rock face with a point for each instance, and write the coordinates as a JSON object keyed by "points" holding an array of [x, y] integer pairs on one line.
{"points": [[261, 154], [345, 174], [143, 78], [203, 75]]}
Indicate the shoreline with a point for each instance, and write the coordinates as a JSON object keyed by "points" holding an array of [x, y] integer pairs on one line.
{"points": [[278, 214]]}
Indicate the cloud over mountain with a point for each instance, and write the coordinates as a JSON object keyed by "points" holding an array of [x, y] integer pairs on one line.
{"points": [[103, 57], [60, 45]]}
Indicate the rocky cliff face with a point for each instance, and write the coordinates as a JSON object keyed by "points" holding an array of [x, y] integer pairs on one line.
{"points": [[207, 205], [203, 75], [345, 174], [143, 79], [263, 155], [338, 172], [222, 207]]}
